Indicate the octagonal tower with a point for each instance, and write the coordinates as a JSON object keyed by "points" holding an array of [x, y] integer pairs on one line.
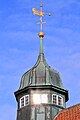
{"points": [[41, 94]]}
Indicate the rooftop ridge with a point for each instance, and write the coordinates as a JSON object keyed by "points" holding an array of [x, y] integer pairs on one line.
{"points": [[67, 109], [73, 106]]}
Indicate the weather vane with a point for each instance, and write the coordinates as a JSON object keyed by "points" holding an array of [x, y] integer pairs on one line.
{"points": [[40, 13]]}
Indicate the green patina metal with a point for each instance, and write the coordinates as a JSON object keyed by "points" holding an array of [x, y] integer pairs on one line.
{"points": [[41, 73], [40, 79], [41, 46]]}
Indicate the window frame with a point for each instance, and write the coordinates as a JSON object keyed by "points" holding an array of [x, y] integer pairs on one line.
{"points": [[57, 99], [21, 102], [42, 100], [24, 102], [53, 99], [61, 102]]}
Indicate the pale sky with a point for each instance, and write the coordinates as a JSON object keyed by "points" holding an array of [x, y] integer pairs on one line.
{"points": [[19, 46]]}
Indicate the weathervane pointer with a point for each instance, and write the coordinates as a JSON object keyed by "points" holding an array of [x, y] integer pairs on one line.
{"points": [[40, 13]]}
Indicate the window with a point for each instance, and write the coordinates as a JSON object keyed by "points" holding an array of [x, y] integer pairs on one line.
{"points": [[24, 101], [54, 99], [40, 98], [60, 100], [57, 100], [36, 99], [44, 98]]}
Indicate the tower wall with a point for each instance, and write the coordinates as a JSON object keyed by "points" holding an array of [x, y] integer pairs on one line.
{"points": [[38, 111], [24, 113]]}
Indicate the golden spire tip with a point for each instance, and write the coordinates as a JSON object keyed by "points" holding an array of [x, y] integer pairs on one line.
{"points": [[41, 34]]}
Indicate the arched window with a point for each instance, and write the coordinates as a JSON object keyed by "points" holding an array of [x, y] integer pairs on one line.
{"points": [[57, 100], [24, 101]]}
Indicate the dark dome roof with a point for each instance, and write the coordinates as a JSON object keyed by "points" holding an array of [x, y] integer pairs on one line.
{"points": [[41, 74]]}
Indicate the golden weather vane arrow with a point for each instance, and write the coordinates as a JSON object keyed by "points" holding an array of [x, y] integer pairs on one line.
{"points": [[40, 13]]}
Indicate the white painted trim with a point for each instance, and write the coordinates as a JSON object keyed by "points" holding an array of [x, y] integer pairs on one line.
{"points": [[61, 100], [20, 101], [57, 99], [24, 100], [41, 98]]}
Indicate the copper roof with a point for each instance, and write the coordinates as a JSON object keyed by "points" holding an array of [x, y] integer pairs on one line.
{"points": [[41, 73]]}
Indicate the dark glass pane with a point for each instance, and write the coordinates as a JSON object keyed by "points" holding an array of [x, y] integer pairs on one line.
{"points": [[59, 100], [54, 99], [26, 100]]}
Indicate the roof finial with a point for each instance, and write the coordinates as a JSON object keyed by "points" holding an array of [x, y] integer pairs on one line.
{"points": [[40, 13]]}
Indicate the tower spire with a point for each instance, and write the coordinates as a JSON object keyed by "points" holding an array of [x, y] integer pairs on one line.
{"points": [[41, 34], [40, 13], [41, 17], [41, 94]]}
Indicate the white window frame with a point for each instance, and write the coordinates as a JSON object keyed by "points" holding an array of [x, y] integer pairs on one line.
{"points": [[21, 102], [24, 101], [61, 100], [53, 100], [57, 102], [41, 98]]}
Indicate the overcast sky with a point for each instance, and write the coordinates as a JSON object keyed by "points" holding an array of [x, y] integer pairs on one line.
{"points": [[19, 46]]}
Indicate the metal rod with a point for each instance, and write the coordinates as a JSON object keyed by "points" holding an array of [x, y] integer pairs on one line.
{"points": [[41, 18]]}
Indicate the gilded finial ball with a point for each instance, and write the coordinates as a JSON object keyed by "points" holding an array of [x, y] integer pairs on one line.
{"points": [[41, 34]]}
